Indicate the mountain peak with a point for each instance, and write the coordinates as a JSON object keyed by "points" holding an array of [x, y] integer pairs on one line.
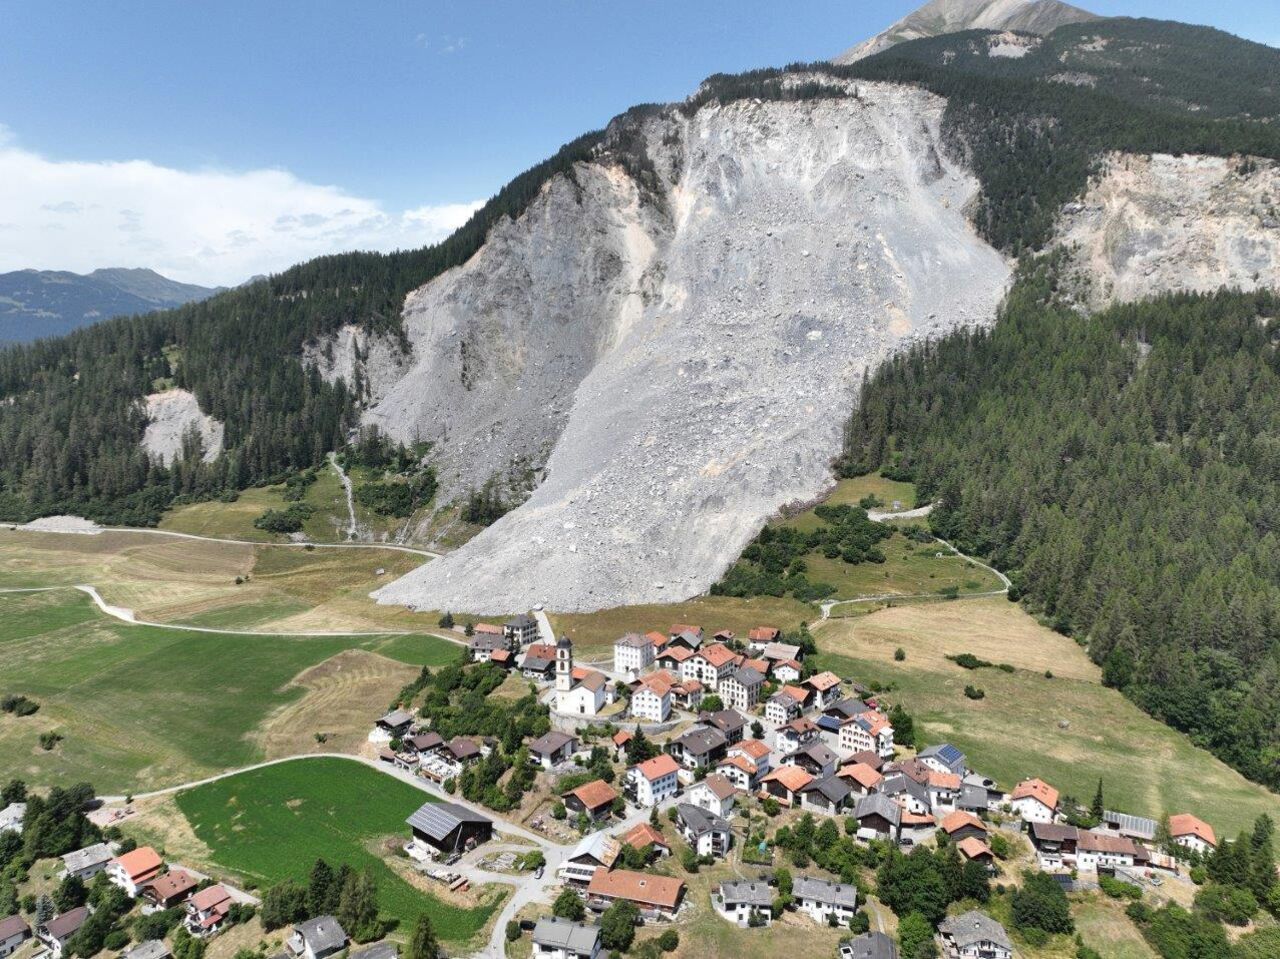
{"points": [[950, 16]]}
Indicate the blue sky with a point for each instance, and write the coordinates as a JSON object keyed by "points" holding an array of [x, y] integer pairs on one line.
{"points": [[395, 106]]}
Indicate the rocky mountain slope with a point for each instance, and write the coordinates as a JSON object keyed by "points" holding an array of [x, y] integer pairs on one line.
{"points": [[686, 348], [940, 17], [36, 303]]}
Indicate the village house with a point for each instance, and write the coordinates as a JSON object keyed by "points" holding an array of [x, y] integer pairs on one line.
{"points": [[739, 770], [974, 935], [868, 732], [11, 817], [135, 869], [500, 657], [482, 646], [710, 664], [740, 900], [655, 896], [786, 783], [786, 671], [707, 833], [1067, 847], [632, 655], [1034, 800], [962, 825], [14, 931], [57, 932], [594, 798], [869, 945], [820, 899], [520, 631], [682, 634], [716, 794], [976, 850], [1135, 827], [793, 735], [828, 796], [421, 744], [781, 652], [758, 637], [741, 689], [595, 851], [316, 938], [170, 889], [671, 657], [539, 662], [207, 910], [620, 740], [653, 780], [86, 863], [148, 949], [394, 725], [1192, 833], [975, 799], [755, 750], [731, 724], [651, 699], [445, 827], [556, 938], [878, 818], [814, 758], [944, 758], [906, 792], [699, 748], [462, 750], [687, 694], [862, 779], [944, 789], [782, 707], [643, 836], [552, 748], [826, 688], [914, 828]]}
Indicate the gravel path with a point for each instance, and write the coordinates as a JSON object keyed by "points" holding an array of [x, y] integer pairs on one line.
{"points": [[346, 488]]}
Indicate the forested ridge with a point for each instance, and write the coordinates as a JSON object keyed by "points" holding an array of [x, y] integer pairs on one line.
{"points": [[1124, 470]]}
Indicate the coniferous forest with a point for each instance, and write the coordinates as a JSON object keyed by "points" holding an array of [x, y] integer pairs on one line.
{"points": [[1124, 469]]}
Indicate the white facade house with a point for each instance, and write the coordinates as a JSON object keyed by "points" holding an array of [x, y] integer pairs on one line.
{"points": [[555, 938], [135, 869], [974, 935], [820, 899], [738, 901], [632, 655], [869, 732], [651, 700], [86, 863], [1034, 800], [716, 794], [741, 689], [14, 931], [653, 780], [1192, 833]]}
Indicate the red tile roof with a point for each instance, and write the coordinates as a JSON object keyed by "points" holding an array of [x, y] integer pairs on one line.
{"points": [[1185, 824], [210, 898], [954, 822], [594, 794], [657, 767], [971, 847], [793, 778], [718, 655], [1036, 789], [752, 747], [487, 628], [637, 887], [862, 774], [643, 834], [764, 634], [823, 681], [140, 864], [622, 737]]}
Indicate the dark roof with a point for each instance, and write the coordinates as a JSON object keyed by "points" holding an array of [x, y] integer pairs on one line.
{"points": [[837, 893], [816, 750], [833, 787], [574, 937], [748, 676], [151, 949], [1053, 832], [552, 742], [13, 926], [744, 890], [847, 708], [699, 821], [727, 720], [896, 783], [379, 950], [322, 934], [463, 748], [876, 804], [397, 717], [487, 641], [425, 740], [699, 742], [521, 622], [68, 923], [438, 819], [869, 945], [972, 797], [944, 751]]}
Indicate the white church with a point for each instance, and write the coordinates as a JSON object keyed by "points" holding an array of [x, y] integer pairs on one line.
{"points": [[581, 691]]}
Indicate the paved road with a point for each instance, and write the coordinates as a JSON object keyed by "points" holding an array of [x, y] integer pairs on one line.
{"points": [[126, 615]]}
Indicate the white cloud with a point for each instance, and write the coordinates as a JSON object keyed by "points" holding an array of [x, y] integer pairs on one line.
{"points": [[199, 226]]}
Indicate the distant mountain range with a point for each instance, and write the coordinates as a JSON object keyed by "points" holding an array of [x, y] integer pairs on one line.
{"points": [[36, 303]]}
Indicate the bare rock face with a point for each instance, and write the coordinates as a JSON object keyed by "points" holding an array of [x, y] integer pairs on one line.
{"points": [[951, 16], [170, 416], [687, 351], [374, 361], [1154, 224]]}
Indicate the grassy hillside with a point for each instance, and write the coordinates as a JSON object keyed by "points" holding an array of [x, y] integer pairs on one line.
{"points": [[272, 824], [143, 707], [1069, 730]]}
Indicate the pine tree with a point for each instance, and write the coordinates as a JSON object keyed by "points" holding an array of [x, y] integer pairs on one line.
{"points": [[357, 910], [1097, 810], [423, 943]]}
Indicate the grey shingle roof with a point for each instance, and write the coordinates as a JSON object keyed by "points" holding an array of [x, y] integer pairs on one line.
{"points": [[558, 933], [699, 821], [944, 751], [438, 819], [550, 743], [746, 891], [322, 934], [151, 949], [898, 783], [87, 857], [699, 742], [521, 622], [379, 950], [869, 945], [877, 804], [68, 923], [820, 890], [397, 717], [749, 676], [972, 797], [1130, 825], [973, 926], [835, 789]]}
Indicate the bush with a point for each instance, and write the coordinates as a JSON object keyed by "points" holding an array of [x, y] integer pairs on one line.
{"points": [[18, 705], [899, 654], [969, 661], [287, 520], [618, 926], [513, 930], [1117, 889], [568, 905], [49, 739], [1041, 904], [975, 692], [669, 940]]}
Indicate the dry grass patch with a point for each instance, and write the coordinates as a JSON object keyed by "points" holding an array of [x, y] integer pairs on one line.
{"points": [[992, 629], [159, 823], [340, 694]]}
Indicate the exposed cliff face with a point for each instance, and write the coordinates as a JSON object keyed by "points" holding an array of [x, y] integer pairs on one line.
{"points": [[1153, 224], [374, 361], [951, 16], [170, 416], [687, 351]]}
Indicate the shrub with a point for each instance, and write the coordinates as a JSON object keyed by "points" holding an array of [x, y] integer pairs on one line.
{"points": [[18, 705], [513, 930], [1118, 889], [968, 661], [1041, 904], [975, 692], [899, 654], [669, 940], [49, 739]]}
